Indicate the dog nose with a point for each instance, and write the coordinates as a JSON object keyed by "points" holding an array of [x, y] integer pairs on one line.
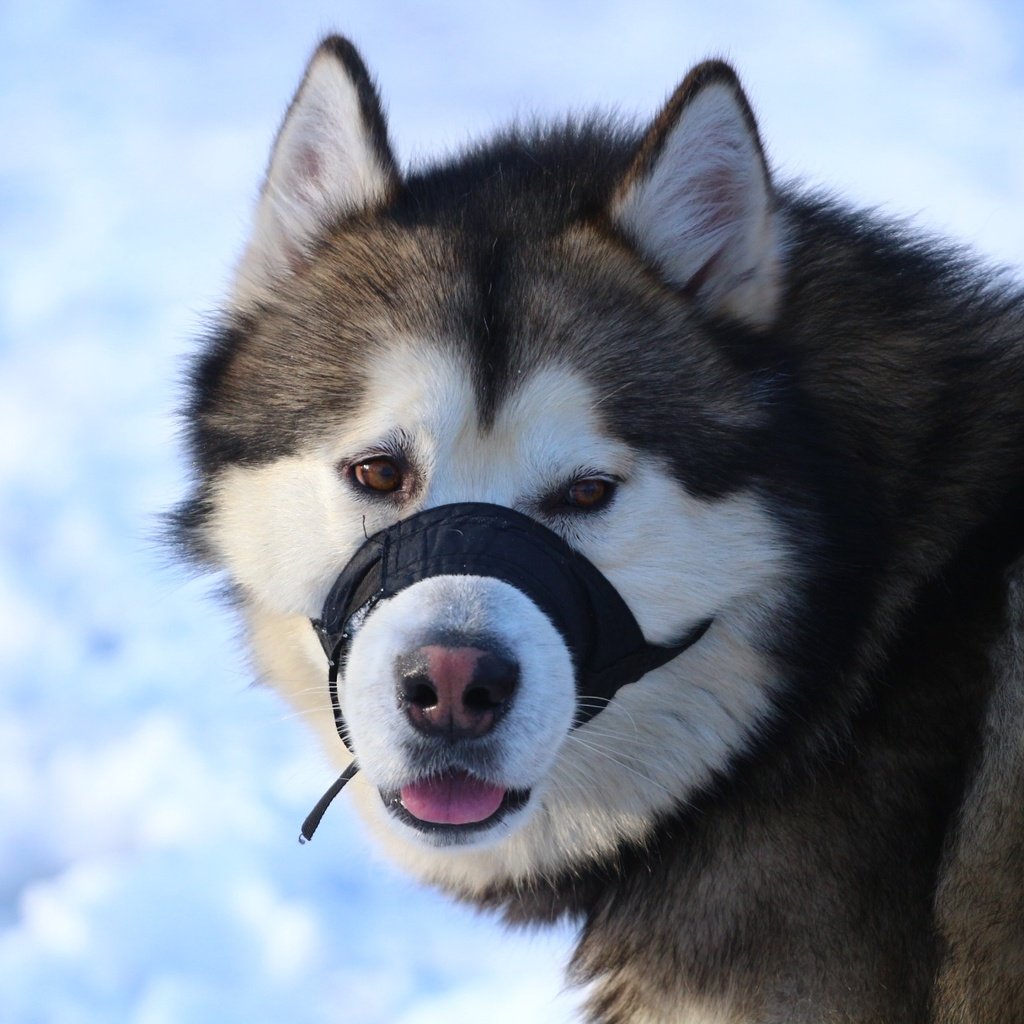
{"points": [[456, 691]]}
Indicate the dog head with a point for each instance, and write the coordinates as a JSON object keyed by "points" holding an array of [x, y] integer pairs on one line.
{"points": [[524, 328]]}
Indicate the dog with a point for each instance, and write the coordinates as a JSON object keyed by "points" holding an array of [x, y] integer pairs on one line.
{"points": [[644, 539]]}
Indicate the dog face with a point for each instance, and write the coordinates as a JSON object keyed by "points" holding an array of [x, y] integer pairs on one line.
{"points": [[459, 692], [387, 356]]}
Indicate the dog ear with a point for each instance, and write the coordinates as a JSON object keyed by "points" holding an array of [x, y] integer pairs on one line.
{"points": [[698, 202], [331, 158]]}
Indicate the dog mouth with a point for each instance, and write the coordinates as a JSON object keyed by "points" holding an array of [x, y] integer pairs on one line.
{"points": [[453, 804]]}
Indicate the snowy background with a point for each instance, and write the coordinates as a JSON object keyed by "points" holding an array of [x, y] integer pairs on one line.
{"points": [[149, 800]]}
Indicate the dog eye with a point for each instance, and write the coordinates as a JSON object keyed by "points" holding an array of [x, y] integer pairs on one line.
{"points": [[380, 474], [589, 493]]}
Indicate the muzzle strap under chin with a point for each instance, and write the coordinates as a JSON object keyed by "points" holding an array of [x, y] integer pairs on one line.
{"points": [[313, 819], [607, 645]]}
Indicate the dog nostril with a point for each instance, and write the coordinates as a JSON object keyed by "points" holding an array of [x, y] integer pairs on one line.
{"points": [[479, 698], [419, 691], [495, 680]]}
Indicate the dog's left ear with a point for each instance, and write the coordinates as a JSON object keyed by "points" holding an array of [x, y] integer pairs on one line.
{"points": [[698, 202]]}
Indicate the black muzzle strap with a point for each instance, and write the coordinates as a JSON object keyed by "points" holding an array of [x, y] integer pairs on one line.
{"points": [[607, 645], [312, 822]]}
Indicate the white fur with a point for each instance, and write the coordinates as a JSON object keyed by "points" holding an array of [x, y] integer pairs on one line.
{"points": [[323, 166], [285, 530], [258, 514], [544, 702], [707, 198]]}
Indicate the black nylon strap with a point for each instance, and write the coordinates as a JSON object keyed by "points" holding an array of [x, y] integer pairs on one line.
{"points": [[315, 816]]}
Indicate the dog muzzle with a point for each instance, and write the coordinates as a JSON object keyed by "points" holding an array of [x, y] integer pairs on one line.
{"points": [[605, 641]]}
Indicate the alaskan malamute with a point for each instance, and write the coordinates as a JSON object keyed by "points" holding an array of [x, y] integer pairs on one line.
{"points": [[646, 532]]}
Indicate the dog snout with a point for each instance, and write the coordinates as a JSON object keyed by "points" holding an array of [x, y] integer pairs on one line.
{"points": [[456, 691]]}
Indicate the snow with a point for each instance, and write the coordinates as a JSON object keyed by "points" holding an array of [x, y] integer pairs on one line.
{"points": [[150, 799]]}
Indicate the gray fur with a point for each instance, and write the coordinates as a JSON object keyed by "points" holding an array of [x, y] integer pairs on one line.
{"points": [[980, 901]]}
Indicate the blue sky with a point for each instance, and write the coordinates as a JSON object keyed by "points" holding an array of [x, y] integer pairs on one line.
{"points": [[150, 799]]}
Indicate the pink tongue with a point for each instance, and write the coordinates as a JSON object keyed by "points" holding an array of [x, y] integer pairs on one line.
{"points": [[455, 799]]}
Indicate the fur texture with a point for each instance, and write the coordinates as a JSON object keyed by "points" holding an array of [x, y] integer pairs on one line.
{"points": [[803, 423]]}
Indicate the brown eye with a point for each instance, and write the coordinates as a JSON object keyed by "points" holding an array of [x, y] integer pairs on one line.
{"points": [[380, 474], [589, 493]]}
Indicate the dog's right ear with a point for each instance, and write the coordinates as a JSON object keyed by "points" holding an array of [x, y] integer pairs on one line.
{"points": [[331, 158]]}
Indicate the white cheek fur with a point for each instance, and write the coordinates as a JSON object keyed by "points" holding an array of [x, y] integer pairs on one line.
{"points": [[283, 531], [699, 558]]}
